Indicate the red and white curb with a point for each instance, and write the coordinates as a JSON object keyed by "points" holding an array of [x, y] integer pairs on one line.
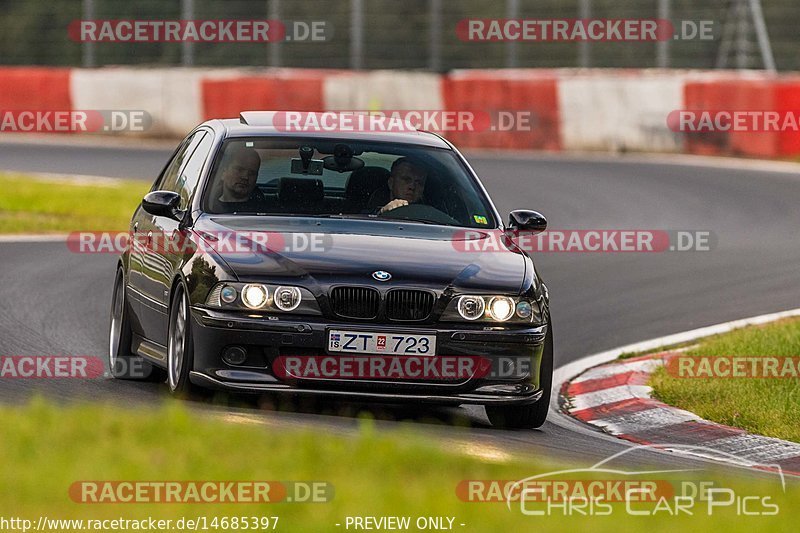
{"points": [[615, 398]]}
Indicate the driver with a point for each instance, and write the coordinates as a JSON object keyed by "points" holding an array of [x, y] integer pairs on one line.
{"points": [[238, 183], [406, 185]]}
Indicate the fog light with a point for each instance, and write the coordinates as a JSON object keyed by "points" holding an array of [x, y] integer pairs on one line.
{"points": [[287, 298], [254, 296], [471, 307], [501, 308], [234, 355], [228, 294], [524, 309]]}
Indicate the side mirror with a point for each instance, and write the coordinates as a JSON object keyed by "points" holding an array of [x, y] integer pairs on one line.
{"points": [[524, 220], [163, 204]]}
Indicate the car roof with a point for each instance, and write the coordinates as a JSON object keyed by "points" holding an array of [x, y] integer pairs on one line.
{"points": [[260, 124]]}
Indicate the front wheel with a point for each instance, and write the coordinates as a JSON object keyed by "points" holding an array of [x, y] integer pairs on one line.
{"points": [[180, 345], [533, 415]]}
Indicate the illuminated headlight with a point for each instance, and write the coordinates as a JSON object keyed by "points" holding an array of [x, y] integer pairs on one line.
{"points": [[471, 307], [227, 294], [501, 308], [287, 298], [255, 296]]}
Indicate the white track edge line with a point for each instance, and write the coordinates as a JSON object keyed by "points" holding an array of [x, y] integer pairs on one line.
{"points": [[34, 237]]}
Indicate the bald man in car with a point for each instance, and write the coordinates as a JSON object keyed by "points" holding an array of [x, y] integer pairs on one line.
{"points": [[238, 183], [405, 186]]}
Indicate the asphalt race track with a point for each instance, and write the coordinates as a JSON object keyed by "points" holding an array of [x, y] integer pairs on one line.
{"points": [[57, 302]]}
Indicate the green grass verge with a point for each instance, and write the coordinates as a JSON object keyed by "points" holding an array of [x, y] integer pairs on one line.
{"points": [[376, 473], [765, 406], [30, 204]]}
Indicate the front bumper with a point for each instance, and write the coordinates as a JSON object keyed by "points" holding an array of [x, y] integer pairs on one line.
{"points": [[515, 354]]}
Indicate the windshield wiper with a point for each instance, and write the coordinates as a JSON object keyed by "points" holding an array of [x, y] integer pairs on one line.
{"points": [[420, 220]]}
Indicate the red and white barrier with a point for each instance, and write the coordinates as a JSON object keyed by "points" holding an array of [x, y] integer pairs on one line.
{"points": [[510, 93], [383, 89], [569, 109], [172, 97], [35, 89], [616, 110]]}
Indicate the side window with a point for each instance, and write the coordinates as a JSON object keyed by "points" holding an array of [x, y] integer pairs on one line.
{"points": [[189, 174], [169, 173], [169, 180]]}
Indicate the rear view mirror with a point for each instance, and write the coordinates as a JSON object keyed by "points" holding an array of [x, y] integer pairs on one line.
{"points": [[314, 166]]}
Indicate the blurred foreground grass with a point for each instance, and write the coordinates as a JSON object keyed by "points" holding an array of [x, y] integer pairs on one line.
{"points": [[31, 204], [45, 449]]}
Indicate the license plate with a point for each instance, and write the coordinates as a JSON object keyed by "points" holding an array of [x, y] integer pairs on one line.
{"points": [[381, 343]]}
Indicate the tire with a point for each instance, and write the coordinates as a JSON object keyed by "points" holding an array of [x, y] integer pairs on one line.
{"points": [[180, 346], [533, 415], [122, 363]]}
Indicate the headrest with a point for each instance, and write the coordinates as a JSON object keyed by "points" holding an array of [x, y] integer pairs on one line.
{"points": [[365, 181], [300, 191]]}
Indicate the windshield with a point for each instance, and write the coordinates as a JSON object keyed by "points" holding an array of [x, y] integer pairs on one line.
{"points": [[313, 177]]}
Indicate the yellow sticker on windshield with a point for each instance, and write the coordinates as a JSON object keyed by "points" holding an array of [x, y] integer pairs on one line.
{"points": [[480, 219]]}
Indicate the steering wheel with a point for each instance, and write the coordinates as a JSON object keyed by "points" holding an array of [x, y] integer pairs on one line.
{"points": [[420, 212]]}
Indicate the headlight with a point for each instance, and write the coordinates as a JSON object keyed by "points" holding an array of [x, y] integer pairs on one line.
{"points": [[471, 307], [493, 309], [501, 308], [255, 296], [287, 298], [262, 297]]}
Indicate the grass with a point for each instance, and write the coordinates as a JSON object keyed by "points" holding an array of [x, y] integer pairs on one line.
{"points": [[765, 406], [45, 449], [30, 204]]}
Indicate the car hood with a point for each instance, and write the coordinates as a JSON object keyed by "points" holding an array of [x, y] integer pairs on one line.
{"points": [[321, 251]]}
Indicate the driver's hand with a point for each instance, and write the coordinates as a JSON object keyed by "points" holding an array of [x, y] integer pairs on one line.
{"points": [[394, 204]]}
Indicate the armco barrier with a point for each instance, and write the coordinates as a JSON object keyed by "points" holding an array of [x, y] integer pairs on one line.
{"points": [[502, 94], [34, 88]]}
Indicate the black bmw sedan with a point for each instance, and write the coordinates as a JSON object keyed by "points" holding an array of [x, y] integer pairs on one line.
{"points": [[356, 263]]}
